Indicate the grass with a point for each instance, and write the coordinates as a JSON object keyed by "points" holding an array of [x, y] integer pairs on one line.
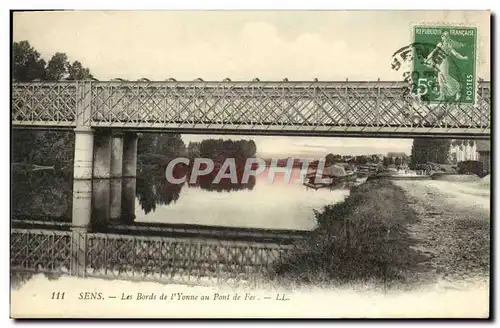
{"points": [[362, 239]]}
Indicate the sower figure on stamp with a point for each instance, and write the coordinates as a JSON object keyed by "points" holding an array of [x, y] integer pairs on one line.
{"points": [[439, 60]]}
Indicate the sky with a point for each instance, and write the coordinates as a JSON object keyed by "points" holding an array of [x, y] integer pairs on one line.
{"points": [[270, 45]]}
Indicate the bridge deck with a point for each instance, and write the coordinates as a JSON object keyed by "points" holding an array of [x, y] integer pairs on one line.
{"points": [[293, 108]]}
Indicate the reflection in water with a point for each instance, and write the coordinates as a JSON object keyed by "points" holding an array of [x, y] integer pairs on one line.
{"points": [[258, 203], [154, 189], [263, 203], [207, 183], [41, 194]]}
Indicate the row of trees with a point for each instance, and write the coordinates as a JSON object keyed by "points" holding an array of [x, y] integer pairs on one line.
{"points": [[366, 159], [43, 147], [159, 148], [358, 160], [154, 190], [395, 161], [220, 149], [27, 65]]}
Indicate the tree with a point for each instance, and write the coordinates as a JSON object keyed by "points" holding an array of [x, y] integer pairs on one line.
{"points": [[426, 150], [397, 161], [193, 150], [76, 71], [361, 160], [170, 145], [386, 161], [218, 149], [330, 159], [57, 67], [250, 148], [26, 63], [28, 66], [37, 146], [164, 147]]}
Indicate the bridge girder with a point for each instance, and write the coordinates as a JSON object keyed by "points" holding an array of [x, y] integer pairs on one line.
{"points": [[364, 108]]}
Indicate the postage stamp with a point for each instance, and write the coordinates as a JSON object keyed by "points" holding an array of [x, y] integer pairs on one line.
{"points": [[444, 64]]}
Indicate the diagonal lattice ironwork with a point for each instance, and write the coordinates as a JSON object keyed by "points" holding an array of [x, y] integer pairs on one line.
{"points": [[176, 259], [253, 106], [40, 250], [137, 257], [54, 102]]}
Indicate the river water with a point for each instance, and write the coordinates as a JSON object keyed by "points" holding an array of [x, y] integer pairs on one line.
{"points": [[265, 204], [260, 203]]}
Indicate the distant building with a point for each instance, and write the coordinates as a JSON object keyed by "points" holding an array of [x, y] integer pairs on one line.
{"points": [[483, 149], [462, 150]]}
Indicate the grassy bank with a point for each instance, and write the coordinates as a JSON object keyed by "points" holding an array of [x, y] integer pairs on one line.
{"points": [[361, 239]]}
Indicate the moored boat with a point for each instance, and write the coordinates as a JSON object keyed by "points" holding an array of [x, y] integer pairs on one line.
{"points": [[335, 173]]}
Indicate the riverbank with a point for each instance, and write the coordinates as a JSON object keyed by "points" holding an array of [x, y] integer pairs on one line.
{"points": [[394, 234]]}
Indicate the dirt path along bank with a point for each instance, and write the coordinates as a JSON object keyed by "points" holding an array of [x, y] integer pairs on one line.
{"points": [[454, 227], [400, 234]]}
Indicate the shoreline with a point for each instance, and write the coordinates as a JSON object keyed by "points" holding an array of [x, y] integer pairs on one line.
{"points": [[381, 235]]}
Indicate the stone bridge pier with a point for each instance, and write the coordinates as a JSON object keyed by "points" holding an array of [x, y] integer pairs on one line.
{"points": [[105, 165]]}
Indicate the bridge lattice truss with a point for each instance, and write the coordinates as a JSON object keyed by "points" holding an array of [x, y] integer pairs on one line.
{"points": [[323, 108]]}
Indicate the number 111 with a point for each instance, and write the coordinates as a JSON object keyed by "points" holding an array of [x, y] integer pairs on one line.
{"points": [[58, 296]]}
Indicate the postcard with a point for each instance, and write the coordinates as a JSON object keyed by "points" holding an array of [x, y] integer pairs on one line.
{"points": [[250, 164]]}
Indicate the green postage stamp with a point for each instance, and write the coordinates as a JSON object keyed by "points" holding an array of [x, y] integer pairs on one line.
{"points": [[447, 71]]}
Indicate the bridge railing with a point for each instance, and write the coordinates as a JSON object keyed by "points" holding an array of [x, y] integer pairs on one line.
{"points": [[155, 258], [45, 102], [247, 105]]}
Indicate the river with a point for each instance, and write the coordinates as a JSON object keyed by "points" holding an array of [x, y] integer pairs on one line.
{"points": [[258, 204], [264, 204]]}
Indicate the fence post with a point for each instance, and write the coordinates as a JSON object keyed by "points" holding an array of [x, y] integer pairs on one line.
{"points": [[347, 109], [78, 251], [377, 105], [317, 106], [483, 107]]}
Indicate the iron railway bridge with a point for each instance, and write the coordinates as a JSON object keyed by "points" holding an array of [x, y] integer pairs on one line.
{"points": [[364, 109], [106, 117]]}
